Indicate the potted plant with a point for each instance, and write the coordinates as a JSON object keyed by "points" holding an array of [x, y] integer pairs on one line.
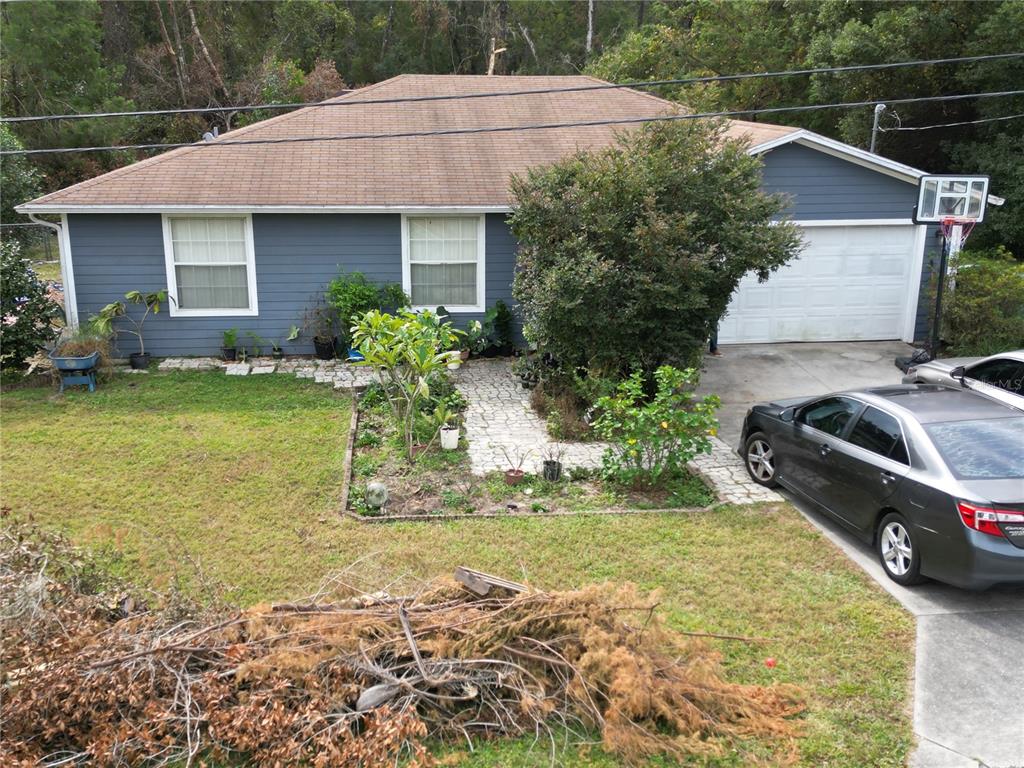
{"points": [[320, 319], [276, 351], [552, 466], [450, 436], [514, 474], [104, 321], [229, 344], [258, 342]]}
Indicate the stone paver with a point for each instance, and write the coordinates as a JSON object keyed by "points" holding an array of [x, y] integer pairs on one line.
{"points": [[498, 420], [723, 470]]}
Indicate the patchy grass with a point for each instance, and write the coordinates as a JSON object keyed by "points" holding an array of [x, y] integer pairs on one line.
{"points": [[47, 270], [241, 475]]}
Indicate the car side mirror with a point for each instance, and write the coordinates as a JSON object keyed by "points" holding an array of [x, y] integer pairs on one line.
{"points": [[959, 373], [787, 415]]}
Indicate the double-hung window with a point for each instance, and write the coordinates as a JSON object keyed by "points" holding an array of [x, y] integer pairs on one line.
{"points": [[210, 265], [443, 261]]}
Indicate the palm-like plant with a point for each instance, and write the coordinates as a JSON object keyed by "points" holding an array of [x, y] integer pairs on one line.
{"points": [[104, 321]]}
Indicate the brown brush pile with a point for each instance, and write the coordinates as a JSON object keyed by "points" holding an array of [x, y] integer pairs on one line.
{"points": [[363, 680]]}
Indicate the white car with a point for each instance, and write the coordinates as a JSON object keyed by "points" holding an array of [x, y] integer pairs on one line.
{"points": [[1000, 376]]}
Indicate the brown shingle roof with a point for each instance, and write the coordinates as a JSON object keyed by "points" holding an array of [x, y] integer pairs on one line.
{"points": [[457, 170]]}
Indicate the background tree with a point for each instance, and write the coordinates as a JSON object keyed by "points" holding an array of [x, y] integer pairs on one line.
{"points": [[628, 256], [19, 181]]}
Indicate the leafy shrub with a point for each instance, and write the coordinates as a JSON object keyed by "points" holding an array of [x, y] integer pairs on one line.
{"points": [[984, 313], [652, 439], [353, 294], [27, 311], [628, 256]]}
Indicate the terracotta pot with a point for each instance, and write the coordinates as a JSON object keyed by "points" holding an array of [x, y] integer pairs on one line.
{"points": [[514, 476], [464, 355], [418, 449]]}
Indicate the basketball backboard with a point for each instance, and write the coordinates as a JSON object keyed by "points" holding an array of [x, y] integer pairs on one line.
{"points": [[944, 197]]}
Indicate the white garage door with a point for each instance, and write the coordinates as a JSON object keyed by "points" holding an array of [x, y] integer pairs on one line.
{"points": [[849, 283]]}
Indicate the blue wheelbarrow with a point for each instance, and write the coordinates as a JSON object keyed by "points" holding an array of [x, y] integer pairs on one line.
{"points": [[76, 370]]}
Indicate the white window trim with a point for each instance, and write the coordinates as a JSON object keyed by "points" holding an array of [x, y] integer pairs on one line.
{"points": [[481, 264], [250, 269]]}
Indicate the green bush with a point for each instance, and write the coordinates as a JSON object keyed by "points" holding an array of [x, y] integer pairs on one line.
{"points": [[352, 294], [652, 439], [983, 306], [628, 256], [27, 312]]}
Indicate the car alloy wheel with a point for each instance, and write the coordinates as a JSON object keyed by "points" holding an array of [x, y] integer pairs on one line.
{"points": [[760, 460], [897, 551]]}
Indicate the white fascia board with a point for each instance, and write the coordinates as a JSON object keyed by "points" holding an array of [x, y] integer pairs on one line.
{"points": [[172, 209]]}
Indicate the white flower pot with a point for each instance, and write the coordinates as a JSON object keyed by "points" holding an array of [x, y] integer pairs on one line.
{"points": [[450, 438]]}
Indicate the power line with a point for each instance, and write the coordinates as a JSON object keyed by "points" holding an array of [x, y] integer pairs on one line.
{"points": [[507, 128], [950, 125], [525, 92]]}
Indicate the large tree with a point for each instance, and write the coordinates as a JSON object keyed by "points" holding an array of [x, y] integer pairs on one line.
{"points": [[628, 256]]}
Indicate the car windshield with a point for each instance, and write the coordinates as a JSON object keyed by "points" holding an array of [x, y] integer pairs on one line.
{"points": [[974, 450]]}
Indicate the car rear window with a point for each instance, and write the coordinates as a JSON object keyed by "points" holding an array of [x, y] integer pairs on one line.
{"points": [[989, 448]]}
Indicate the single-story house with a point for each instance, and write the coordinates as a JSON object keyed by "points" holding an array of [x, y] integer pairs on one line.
{"points": [[246, 235]]}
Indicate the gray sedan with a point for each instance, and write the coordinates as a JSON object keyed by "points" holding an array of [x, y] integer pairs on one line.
{"points": [[1000, 376], [932, 477]]}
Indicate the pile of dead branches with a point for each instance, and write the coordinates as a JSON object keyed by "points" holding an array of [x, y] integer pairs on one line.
{"points": [[368, 679]]}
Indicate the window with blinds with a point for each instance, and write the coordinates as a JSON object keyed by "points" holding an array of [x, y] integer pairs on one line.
{"points": [[444, 260], [210, 258]]}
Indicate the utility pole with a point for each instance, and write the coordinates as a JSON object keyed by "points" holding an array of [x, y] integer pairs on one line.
{"points": [[879, 109]]}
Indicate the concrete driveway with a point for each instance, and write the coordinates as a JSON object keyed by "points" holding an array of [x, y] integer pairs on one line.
{"points": [[749, 373], [969, 668]]}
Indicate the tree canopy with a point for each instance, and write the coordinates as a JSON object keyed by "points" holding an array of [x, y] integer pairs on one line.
{"points": [[58, 57]]}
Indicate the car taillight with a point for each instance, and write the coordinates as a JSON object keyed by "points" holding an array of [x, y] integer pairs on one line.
{"points": [[987, 519]]}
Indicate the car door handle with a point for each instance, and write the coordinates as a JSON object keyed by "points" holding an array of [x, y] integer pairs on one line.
{"points": [[825, 450], [887, 477]]}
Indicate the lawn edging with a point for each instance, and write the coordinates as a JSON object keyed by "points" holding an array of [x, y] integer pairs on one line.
{"points": [[512, 515]]}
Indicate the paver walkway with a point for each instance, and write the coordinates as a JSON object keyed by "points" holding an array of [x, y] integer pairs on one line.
{"points": [[499, 419], [501, 427]]}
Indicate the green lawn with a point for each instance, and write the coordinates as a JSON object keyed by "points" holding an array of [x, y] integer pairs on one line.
{"points": [[241, 476]]}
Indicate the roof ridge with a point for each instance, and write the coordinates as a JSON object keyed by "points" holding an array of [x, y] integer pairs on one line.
{"points": [[180, 151]]}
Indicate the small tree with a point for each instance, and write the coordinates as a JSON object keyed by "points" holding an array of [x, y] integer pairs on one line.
{"points": [[104, 321], [27, 310], [628, 256], [407, 351]]}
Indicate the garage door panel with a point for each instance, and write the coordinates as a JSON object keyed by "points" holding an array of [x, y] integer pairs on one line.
{"points": [[849, 283]]}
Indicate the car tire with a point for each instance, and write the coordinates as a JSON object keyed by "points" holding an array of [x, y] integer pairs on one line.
{"points": [[898, 551], [759, 459]]}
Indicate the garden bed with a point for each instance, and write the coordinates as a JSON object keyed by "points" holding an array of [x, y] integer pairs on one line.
{"points": [[438, 485]]}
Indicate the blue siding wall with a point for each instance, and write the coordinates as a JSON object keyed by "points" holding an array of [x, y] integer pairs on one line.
{"points": [[821, 186], [296, 256], [824, 187]]}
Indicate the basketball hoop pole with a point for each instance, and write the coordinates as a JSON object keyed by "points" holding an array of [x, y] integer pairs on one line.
{"points": [[933, 341]]}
